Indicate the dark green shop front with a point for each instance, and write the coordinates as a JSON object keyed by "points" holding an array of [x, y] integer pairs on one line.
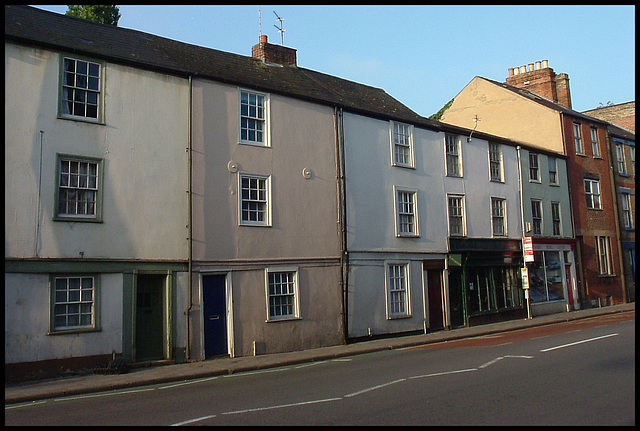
{"points": [[485, 283]]}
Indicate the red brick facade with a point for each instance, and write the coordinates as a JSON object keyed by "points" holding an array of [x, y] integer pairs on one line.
{"points": [[591, 223]]}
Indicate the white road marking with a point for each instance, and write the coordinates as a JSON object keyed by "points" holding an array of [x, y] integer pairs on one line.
{"points": [[578, 342], [310, 364], [502, 357], [189, 382], [373, 388], [444, 373], [103, 394], [190, 421], [281, 406], [32, 403]]}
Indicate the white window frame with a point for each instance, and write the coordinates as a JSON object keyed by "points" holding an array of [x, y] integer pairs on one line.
{"points": [[78, 92], [496, 166], [502, 216], [453, 155], [266, 201], [553, 171], [632, 154], [292, 284], [594, 201], [71, 303], [398, 285], [534, 168], [627, 214], [620, 160], [537, 220], [264, 120], [404, 210], [605, 259], [401, 141], [556, 218], [595, 145], [78, 187], [462, 216], [577, 138]]}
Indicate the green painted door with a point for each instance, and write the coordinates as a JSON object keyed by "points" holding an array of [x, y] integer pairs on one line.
{"points": [[149, 317]]}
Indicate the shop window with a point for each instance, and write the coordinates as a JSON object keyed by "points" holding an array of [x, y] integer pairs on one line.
{"points": [[492, 289], [545, 283]]}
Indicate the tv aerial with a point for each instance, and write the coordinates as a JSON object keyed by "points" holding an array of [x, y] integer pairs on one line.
{"points": [[281, 28]]}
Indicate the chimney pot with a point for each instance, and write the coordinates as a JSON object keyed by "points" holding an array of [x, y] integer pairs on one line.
{"points": [[545, 63], [537, 65], [530, 67], [511, 71], [516, 70], [263, 38]]}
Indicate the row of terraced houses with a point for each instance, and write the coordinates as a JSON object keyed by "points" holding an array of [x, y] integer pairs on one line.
{"points": [[170, 202]]}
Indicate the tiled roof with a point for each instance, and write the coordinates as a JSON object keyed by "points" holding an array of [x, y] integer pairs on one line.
{"points": [[34, 26]]}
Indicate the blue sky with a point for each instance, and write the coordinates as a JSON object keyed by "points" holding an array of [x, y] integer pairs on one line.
{"points": [[421, 55]]}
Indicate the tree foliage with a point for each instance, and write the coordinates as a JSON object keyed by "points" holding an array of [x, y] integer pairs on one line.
{"points": [[105, 14]]}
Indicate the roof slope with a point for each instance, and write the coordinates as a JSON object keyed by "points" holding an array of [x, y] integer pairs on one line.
{"points": [[28, 25]]}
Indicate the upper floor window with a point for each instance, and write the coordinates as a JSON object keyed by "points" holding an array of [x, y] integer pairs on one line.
{"points": [[454, 156], [632, 153], [495, 162], [456, 215], [81, 89], [78, 186], [595, 146], [536, 216], [406, 213], [577, 138], [534, 173], [622, 166], [402, 144], [254, 200], [553, 170], [498, 216], [627, 214], [592, 193], [555, 217], [254, 116]]}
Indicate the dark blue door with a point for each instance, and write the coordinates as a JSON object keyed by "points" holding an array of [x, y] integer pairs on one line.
{"points": [[214, 314]]}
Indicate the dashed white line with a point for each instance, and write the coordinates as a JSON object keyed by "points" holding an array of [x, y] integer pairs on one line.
{"points": [[373, 388], [190, 421], [303, 403], [578, 342], [103, 394], [189, 382], [444, 373]]}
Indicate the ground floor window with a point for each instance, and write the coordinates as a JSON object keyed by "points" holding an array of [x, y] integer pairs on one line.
{"points": [[73, 302], [492, 288], [545, 277], [397, 289], [282, 289]]}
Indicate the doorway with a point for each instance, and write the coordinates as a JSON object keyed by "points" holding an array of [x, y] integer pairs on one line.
{"points": [[434, 297], [214, 313], [150, 317]]}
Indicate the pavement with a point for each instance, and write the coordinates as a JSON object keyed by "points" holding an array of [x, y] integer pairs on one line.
{"points": [[90, 383]]}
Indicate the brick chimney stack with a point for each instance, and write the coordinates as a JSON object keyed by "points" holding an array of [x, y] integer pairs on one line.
{"points": [[275, 54], [542, 80]]}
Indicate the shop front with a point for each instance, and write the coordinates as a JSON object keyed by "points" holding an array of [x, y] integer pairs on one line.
{"points": [[552, 278], [485, 285]]}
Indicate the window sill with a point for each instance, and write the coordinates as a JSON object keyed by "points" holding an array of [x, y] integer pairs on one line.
{"points": [[73, 331], [399, 165], [254, 144], [283, 319], [404, 316], [82, 119], [77, 219]]}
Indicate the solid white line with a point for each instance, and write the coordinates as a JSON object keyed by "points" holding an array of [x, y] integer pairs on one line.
{"points": [[577, 342], [444, 373], [374, 388], [309, 364], [79, 397], [502, 357], [190, 421], [281, 406], [189, 382], [32, 403], [248, 373]]}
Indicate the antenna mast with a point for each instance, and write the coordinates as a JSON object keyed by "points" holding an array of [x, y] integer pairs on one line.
{"points": [[260, 18], [280, 29]]}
